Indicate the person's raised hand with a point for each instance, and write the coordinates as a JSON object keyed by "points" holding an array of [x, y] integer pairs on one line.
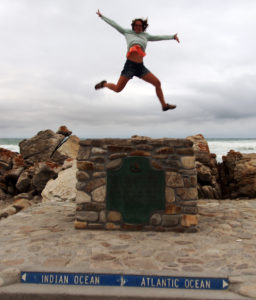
{"points": [[99, 13], [176, 37]]}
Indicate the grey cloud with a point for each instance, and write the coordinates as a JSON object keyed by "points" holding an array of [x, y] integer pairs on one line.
{"points": [[53, 53]]}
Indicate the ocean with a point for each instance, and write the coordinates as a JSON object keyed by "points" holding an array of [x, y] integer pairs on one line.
{"points": [[218, 146]]}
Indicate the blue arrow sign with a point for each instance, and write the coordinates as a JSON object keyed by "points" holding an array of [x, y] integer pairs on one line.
{"points": [[144, 281]]}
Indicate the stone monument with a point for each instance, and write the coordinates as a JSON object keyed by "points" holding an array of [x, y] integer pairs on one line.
{"points": [[136, 184]]}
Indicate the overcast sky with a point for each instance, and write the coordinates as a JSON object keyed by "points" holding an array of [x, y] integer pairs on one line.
{"points": [[53, 52]]}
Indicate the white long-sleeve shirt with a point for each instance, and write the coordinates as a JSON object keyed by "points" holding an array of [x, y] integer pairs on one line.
{"points": [[133, 38]]}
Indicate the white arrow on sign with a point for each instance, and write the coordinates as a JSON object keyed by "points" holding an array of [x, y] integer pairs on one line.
{"points": [[225, 283], [123, 281], [24, 277]]}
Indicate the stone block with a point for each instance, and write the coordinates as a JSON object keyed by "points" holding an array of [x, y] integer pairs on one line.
{"points": [[190, 181], [160, 156], [173, 163], [112, 226], [83, 153], [165, 150], [189, 220], [82, 197], [155, 219], [80, 224], [117, 155], [99, 194], [82, 176], [80, 185], [144, 147], [93, 206], [95, 226], [98, 151], [94, 183], [169, 195], [190, 210], [174, 180], [98, 159], [188, 162], [170, 220], [121, 149], [139, 153], [99, 174], [156, 165], [113, 164], [103, 217], [187, 193], [185, 151], [87, 216], [114, 216], [99, 167], [172, 209], [85, 165]]}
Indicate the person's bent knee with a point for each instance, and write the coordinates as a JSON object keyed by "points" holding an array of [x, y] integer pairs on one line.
{"points": [[118, 89], [157, 83]]}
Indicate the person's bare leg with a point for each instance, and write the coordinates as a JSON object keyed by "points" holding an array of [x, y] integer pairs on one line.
{"points": [[119, 86], [149, 77]]}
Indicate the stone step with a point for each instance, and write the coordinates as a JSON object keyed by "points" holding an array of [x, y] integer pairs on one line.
{"points": [[58, 292]]}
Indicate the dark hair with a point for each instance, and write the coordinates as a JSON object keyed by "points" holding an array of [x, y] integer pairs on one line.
{"points": [[144, 23]]}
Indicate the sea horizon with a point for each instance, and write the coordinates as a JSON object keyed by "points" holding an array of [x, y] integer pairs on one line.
{"points": [[218, 146]]}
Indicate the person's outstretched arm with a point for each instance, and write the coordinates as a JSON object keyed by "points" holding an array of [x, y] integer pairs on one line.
{"points": [[111, 22], [162, 37]]}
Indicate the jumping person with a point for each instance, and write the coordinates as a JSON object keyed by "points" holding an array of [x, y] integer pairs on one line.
{"points": [[137, 39]]}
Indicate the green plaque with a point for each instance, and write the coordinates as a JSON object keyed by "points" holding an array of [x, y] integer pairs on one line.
{"points": [[135, 190]]}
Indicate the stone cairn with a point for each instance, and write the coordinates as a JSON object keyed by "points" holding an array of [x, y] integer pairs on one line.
{"points": [[173, 156]]}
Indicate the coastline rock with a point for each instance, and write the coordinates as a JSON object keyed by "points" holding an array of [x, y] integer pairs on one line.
{"points": [[68, 149], [24, 183], [44, 171], [64, 131], [238, 175], [41, 158], [63, 188], [208, 185], [40, 147]]}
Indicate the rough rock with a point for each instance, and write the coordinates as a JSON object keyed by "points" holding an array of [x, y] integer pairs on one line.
{"points": [[6, 158], [64, 131], [40, 147], [24, 183], [63, 188], [68, 149], [44, 171], [11, 166], [208, 181], [238, 175]]}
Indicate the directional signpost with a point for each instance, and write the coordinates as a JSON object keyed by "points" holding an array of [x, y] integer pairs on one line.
{"points": [[142, 281]]}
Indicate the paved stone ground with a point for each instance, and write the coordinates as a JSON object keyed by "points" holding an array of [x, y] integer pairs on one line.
{"points": [[43, 238]]}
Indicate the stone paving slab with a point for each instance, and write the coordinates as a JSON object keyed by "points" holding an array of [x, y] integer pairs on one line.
{"points": [[43, 238]]}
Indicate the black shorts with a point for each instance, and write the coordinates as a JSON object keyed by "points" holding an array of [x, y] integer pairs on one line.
{"points": [[132, 68]]}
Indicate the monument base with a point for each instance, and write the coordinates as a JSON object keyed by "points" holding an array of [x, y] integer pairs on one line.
{"points": [[136, 184]]}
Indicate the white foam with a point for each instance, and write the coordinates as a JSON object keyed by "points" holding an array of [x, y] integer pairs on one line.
{"points": [[13, 148]]}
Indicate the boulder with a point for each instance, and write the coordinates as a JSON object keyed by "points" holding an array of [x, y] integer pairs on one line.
{"points": [[64, 131], [24, 182], [201, 148], [238, 175], [68, 149], [2, 194], [208, 185], [44, 171], [63, 188], [40, 147]]}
